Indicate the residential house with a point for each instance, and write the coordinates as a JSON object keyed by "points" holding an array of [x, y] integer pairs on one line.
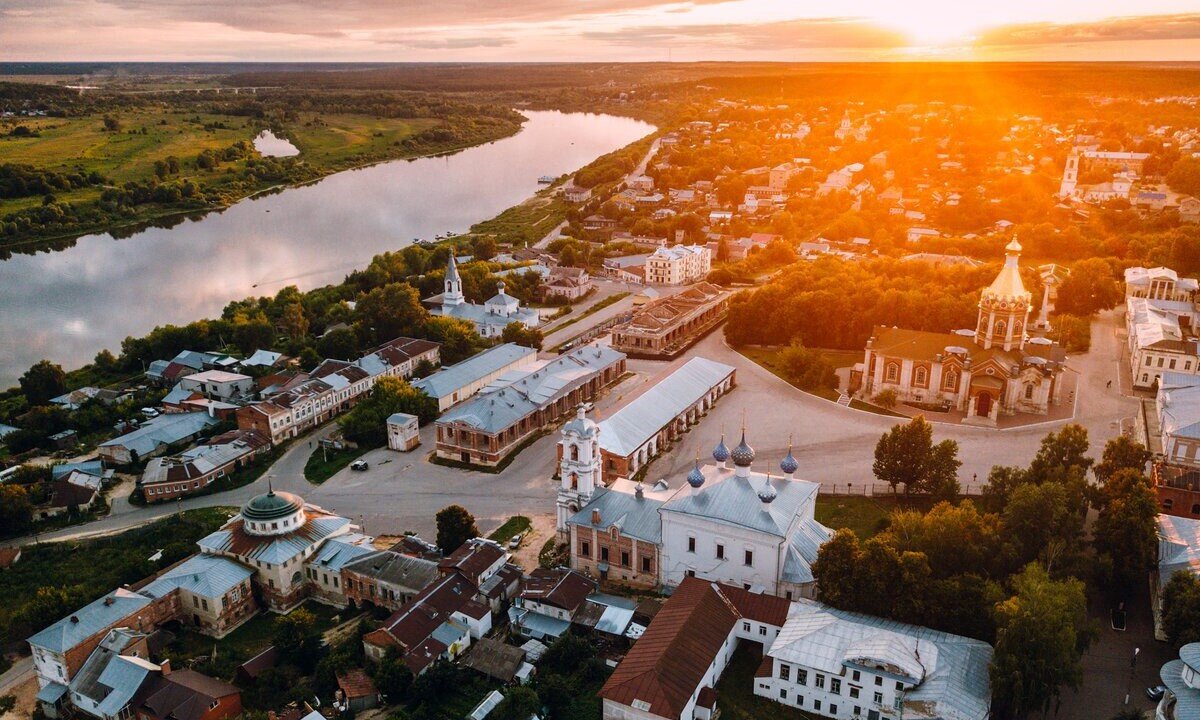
{"points": [[569, 283], [548, 601], [155, 436], [213, 593], [218, 385], [186, 695], [176, 476], [678, 265], [456, 383], [386, 578]]}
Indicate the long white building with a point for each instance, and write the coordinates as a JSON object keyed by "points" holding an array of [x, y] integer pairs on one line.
{"points": [[678, 265]]}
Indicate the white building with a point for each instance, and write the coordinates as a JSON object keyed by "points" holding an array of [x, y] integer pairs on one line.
{"points": [[218, 384], [403, 432], [1182, 680], [490, 318], [1178, 409], [456, 383], [678, 265]]}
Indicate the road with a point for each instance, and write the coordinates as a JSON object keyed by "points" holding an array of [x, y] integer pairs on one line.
{"points": [[834, 446]]}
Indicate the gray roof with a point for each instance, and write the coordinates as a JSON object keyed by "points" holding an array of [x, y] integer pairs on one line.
{"points": [[89, 620], [454, 377], [733, 500], [163, 430], [109, 679], [208, 576], [495, 410], [633, 425], [949, 672], [339, 551], [274, 548], [396, 569], [483, 315], [1179, 405], [635, 517], [1187, 699], [1178, 547]]}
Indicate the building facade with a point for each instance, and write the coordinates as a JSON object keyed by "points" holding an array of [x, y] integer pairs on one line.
{"points": [[678, 265], [666, 327]]}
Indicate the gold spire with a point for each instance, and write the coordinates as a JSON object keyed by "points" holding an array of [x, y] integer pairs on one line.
{"points": [[1008, 283]]}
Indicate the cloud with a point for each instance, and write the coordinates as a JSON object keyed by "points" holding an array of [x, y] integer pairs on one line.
{"points": [[1119, 29], [805, 33], [445, 43]]}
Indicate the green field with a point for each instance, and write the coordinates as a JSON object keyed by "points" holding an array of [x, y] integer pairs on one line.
{"points": [[866, 516]]}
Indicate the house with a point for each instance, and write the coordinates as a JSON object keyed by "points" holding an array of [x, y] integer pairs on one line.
{"points": [[386, 578], [155, 436], [1176, 410], [356, 691], [176, 476], [455, 383], [569, 283], [678, 265], [218, 385], [1161, 339], [1182, 679], [1178, 551], [263, 359], [1189, 210], [917, 234], [496, 660], [403, 432], [575, 194], [478, 559], [485, 429], [548, 601], [323, 569], [186, 695], [627, 268], [113, 674], [440, 622]]}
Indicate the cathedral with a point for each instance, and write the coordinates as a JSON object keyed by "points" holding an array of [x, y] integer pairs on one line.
{"points": [[992, 370], [727, 524], [490, 318]]}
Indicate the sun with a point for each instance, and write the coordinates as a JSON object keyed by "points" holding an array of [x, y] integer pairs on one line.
{"points": [[938, 26]]}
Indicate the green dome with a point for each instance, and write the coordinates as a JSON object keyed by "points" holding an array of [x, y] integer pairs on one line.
{"points": [[272, 506]]}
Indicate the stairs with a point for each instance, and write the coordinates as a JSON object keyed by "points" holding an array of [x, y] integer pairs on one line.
{"points": [[843, 400]]}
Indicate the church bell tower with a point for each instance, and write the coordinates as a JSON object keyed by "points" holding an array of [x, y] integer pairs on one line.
{"points": [[578, 467]]}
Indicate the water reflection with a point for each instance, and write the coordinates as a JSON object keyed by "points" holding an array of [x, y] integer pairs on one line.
{"points": [[67, 305]]}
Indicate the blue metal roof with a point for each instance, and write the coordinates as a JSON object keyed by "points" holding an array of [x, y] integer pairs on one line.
{"points": [[450, 379], [209, 576], [89, 620]]}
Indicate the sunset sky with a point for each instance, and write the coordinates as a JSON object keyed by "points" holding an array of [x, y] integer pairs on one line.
{"points": [[633, 30]]}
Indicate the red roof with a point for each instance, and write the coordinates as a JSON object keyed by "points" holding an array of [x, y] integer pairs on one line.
{"points": [[356, 684], [472, 558], [666, 666], [759, 607]]}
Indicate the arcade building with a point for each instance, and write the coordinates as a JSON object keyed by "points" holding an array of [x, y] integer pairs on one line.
{"points": [[995, 369]]}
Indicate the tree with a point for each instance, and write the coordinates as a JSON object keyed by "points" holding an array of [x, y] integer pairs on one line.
{"points": [[252, 335], [297, 639], [367, 422], [1041, 633], [455, 526], [293, 320], [906, 454], [1036, 515], [1184, 176], [516, 332], [1181, 608], [16, 510], [1126, 531], [519, 703], [458, 338], [1121, 453], [807, 369], [43, 381], [393, 678], [340, 344], [391, 311], [886, 398], [836, 568], [1090, 288]]}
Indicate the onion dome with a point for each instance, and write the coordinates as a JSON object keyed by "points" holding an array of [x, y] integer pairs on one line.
{"points": [[695, 478], [743, 454], [768, 494], [721, 453], [788, 464], [272, 506]]}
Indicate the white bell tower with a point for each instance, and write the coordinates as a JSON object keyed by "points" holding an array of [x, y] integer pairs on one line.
{"points": [[578, 467], [453, 294]]}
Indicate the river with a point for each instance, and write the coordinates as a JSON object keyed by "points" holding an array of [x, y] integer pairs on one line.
{"points": [[67, 305]]}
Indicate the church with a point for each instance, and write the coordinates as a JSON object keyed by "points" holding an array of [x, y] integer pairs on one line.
{"points": [[489, 318], [992, 370], [726, 524]]}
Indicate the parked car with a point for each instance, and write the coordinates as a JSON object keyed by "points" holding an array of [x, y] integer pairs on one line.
{"points": [[150, 412], [359, 465], [1155, 693], [515, 542]]}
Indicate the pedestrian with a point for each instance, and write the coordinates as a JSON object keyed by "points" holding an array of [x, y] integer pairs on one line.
{"points": [[1109, 384]]}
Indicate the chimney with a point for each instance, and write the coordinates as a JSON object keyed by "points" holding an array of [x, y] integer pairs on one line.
{"points": [[108, 601], [165, 667], [595, 521], [74, 618], [639, 491]]}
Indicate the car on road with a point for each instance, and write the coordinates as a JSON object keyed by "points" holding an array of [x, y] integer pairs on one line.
{"points": [[515, 542], [359, 465], [1155, 693]]}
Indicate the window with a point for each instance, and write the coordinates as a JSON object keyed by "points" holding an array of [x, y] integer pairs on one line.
{"points": [[950, 381], [783, 693], [1148, 359], [833, 709], [762, 629], [892, 373], [745, 627], [1001, 327], [857, 675], [646, 563], [691, 573], [604, 554], [801, 676], [835, 686], [853, 692], [820, 681], [817, 705], [691, 544], [879, 681], [899, 685], [857, 710], [878, 698], [785, 672], [1029, 391], [921, 376], [204, 604], [720, 551], [749, 558], [585, 549], [1172, 364], [624, 558]]}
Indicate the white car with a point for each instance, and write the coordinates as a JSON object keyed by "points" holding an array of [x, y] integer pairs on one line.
{"points": [[150, 412], [359, 465], [515, 542]]}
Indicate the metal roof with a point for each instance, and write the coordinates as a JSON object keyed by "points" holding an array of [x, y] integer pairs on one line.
{"points": [[209, 576], [454, 377], [163, 430], [635, 517], [724, 497], [339, 551], [949, 672], [633, 425], [89, 620], [274, 548]]}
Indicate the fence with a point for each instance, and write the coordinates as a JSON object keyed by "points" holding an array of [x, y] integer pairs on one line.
{"points": [[883, 489]]}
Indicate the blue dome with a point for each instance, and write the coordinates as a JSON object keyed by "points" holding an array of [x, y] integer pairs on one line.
{"points": [[789, 465], [743, 454], [720, 452], [695, 478], [768, 493]]}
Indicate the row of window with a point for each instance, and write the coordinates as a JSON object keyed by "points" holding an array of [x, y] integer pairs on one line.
{"points": [[719, 553], [647, 561], [835, 684], [1187, 364], [920, 376]]}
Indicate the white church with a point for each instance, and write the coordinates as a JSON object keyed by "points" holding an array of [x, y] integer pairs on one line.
{"points": [[729, 524], [489, 318]]}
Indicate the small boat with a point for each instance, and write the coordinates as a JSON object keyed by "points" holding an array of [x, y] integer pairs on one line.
{"points": [[545, 180]]}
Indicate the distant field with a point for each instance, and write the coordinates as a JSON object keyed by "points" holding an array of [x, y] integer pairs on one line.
{"points": [[333, 138]]}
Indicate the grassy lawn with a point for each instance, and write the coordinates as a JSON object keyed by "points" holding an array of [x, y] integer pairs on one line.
{"points": [[251, 638], [735, 691], [336, 138], [87, 569], [324, 464], [517, 524], [866, 516]]}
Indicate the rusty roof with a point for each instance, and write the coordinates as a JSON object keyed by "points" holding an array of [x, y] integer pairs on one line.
{"points": [[564, 589], [472, 558], [356, 683]]}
